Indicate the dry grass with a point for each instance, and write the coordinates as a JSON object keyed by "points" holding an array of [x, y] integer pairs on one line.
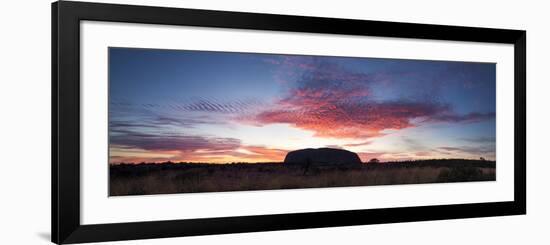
{"points": [[191, 178]]}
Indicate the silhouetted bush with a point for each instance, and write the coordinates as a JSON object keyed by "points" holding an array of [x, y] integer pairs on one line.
{"points": [[374, 160]]}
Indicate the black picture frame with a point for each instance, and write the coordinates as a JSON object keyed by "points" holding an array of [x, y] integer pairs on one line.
{"points": [[66, 226]]}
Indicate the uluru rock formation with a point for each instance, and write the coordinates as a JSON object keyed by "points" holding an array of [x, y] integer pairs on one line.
{"points": [[322, 157]]}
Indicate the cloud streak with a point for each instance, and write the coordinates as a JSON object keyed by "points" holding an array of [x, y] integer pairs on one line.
{"points": [[129, 146]]}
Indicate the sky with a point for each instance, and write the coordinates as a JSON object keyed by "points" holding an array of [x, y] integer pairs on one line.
{"points": [[224, 107]]}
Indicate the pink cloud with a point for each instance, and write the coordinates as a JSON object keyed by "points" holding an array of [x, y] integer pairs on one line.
{"points": [[338, 103], [347, 120]]}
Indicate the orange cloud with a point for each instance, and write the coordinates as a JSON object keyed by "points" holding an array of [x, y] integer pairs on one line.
{"points": [[347, 120], [338, 103]]}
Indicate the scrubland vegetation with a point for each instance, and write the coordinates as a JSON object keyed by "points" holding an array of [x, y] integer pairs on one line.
{"points": [[164, 178]]}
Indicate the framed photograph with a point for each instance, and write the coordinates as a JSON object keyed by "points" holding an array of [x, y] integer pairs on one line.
{"points": [[176, 122]]}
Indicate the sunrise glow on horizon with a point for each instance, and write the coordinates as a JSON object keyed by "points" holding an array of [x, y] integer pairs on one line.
{"points": [[223, 107]]}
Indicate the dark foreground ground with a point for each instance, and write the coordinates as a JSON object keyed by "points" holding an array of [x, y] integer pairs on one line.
{"points": [[144, 179]]}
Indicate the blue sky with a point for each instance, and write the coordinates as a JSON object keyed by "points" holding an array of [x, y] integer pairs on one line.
{"points": [[220, 107]]}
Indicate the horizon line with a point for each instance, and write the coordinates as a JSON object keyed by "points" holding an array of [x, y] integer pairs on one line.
{"points": [[281, 162]]}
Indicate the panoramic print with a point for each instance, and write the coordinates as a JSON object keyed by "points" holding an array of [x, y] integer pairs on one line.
{"points": [[202, 121]]}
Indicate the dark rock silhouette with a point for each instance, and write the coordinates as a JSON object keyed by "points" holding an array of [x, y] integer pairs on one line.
{"points": [[322, 157]]}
